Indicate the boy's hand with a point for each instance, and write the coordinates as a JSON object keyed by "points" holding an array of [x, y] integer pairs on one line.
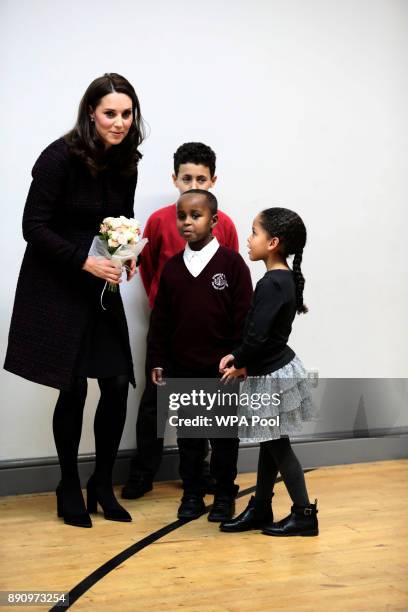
{"points": [[232, 372], [225, 362], [157, 376]]}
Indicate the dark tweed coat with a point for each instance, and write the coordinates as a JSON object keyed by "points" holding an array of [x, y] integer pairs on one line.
{"points": [[54, 297]]}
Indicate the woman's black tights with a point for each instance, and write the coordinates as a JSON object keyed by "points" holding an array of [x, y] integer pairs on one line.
{"points": [[108, 427], [278, 456]]}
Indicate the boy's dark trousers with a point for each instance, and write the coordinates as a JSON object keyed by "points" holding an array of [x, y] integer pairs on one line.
{"points": [[224, 451], [147, 459], [223, 464]]}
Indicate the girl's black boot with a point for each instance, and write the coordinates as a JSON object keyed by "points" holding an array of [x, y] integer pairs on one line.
{"points": [[256, 515], [302, 521]]}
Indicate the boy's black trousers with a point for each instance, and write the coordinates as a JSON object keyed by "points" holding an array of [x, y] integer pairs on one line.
{"points": [[146, 461], [224, 451], [192, 451]]}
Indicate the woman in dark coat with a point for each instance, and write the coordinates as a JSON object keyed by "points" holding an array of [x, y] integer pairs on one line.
{"points": [[59, 334]]}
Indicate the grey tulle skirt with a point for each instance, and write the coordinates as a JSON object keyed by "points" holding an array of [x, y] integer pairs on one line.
{"points": [[290, 404]]}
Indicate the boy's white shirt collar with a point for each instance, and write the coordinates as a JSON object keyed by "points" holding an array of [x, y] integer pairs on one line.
{"points": [[197, 260]]}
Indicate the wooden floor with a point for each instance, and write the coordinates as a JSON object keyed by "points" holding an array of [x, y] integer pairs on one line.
{"points": [[358, 562]]}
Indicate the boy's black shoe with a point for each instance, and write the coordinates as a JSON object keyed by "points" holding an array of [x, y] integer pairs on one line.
{"points": [[302, 521], [136, 487], [223, 507], [192, 506], [253, 517]]}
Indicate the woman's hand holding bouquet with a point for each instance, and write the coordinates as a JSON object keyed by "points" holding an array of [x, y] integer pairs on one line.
{"points": [[102, 268], [117, 245]]}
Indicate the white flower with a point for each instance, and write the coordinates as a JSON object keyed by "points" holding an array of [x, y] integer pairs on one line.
{"points": [[107, 222], [134, 223], [120, 231], [122, 238], [116, 222]]}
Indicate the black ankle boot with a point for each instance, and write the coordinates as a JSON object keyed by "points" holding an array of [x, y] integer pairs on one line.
{"points": [[101, 493], [253, 517], [71, 506], [302, 521]]}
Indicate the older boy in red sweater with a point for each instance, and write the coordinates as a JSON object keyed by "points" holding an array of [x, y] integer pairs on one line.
{"points": [[194, 167]]}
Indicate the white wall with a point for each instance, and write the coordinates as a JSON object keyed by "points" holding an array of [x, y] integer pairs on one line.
{"points": [[304, 103]]}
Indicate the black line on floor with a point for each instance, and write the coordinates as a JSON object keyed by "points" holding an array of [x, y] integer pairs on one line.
{"points": [[88, 582]]}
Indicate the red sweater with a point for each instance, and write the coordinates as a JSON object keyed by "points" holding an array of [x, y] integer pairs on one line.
{"points": [[165, 242], [197, 320]]}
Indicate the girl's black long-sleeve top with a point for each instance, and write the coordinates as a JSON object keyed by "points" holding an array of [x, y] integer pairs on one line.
{"points": [[268, 325]]}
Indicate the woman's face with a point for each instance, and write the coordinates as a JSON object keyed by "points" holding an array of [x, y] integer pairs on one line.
{"points": [[112, 118]]}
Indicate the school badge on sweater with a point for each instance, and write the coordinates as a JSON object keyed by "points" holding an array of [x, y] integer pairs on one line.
{"points": [[219, 281]]}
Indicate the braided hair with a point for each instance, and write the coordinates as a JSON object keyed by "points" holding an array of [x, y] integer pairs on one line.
{"points": [[291, 231]]}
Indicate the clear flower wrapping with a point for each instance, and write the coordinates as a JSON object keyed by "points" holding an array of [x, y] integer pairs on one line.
{"points": [[120, 241]]}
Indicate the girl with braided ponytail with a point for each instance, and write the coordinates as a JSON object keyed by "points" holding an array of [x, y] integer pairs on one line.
{"points": [[271, 369]]}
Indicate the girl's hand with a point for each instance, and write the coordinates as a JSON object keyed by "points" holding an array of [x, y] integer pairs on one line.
{"points": [[226, 361], [131, 270], [157, 376], [103, 268], [232, 372]]}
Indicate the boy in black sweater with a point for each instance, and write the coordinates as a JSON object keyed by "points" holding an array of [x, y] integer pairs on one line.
{"points": [[203, 299]]}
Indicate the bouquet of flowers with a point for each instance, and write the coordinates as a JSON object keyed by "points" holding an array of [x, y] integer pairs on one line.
{"points": [[118, 240]]}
